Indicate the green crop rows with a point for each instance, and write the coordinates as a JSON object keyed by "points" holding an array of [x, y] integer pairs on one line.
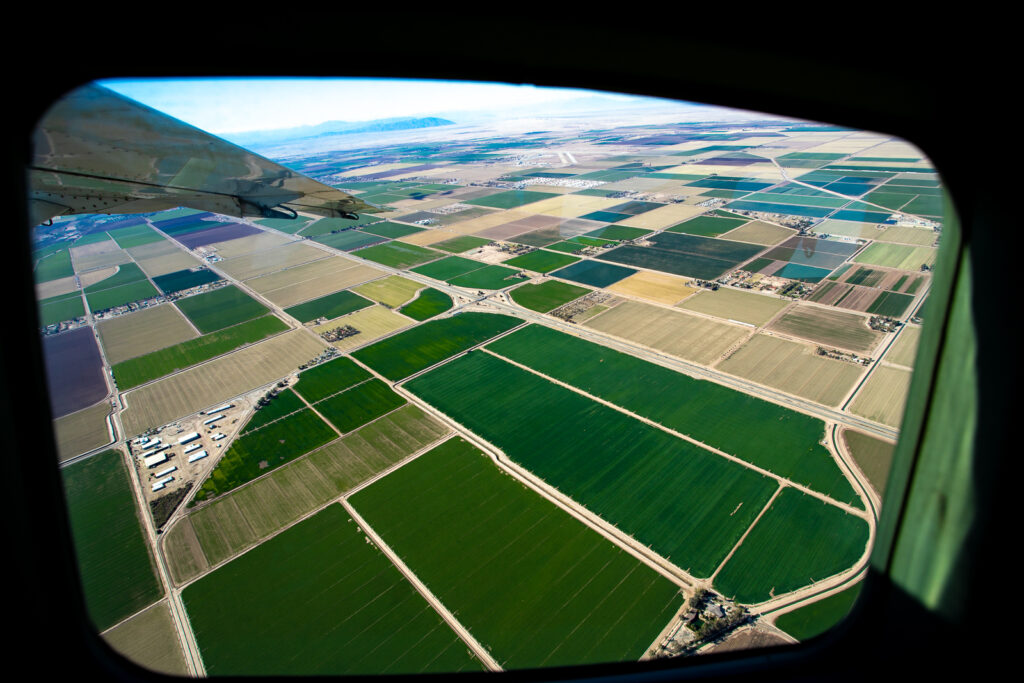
{"points": [[284, 403], [429, 303], [541, 261], [60, 308], [358, 405], [220, 308], [329, 378], [397, 254], [330, 306], [818, 617], [546, 296]]}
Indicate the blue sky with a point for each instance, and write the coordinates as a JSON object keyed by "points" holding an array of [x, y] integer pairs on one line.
{"points": [[225, 106]]}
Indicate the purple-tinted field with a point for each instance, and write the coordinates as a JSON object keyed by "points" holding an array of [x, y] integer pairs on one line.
{"points": [[222, 233], [74, 371]]}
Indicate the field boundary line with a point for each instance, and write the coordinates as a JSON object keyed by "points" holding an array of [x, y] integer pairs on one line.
{"points": [[461, 631], [747, 532]]}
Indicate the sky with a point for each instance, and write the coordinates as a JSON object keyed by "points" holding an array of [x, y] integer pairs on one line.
{"points": [[227, 106]]}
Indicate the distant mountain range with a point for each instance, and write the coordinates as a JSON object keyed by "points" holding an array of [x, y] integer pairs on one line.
{"points": [[329, 128]]}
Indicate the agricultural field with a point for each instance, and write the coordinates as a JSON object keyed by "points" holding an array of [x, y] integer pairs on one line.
{"points": [[362, 403], [142, 332], [780, 440], [114, 562], [59, 308], [830, 327], [690, 337], [711, 225], [462, 243], [658, 287], [281, 405], [223, 378], [688, 255], [150, 640], [254, 614], [593, 273], [141, 369], [618, 232], [185, 279], [160, 258], [326, 379], [392, 291], [883, 396], [448, 268], [270, 260], [241, 518], [99, 255], [605, 460], [816, 618], [904, 350], [224, 307], [74, 371], [799, 540], [373, 323], [812, 253], [407, 353], [759, 232], [488, 277], [429, 303], [873, 456], [546, 296], [794, 368], [309, 281], [266, 449], [330, 306], [82, 431], [247, 245], [119, 296], [348, 240], [897, 256], [541, 261], [58, 288], [535, 586], [391, 230], [54, 267], [135, 236], [398, 254], [510, 199], [732, 304]]}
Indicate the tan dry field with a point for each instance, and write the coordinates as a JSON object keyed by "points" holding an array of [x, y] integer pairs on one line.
{"points": [[150, 640], [160, 258], [263, 262], [689, 337], [65, 285], [873, 456], [794, 368], [642, 185], [200, 387], [135, 334], [392, 291], [829, 327], [429, 236], [83, 431], [591, 312], [658, 287], [664, 216], [747, 639], [373, 323], [519, 226], [904, 350], [311, 280], [897, 149], [883, 396], [732, 304], [864, 231], [94, 276], [378, 168], [253, 243], [469, 226], [243, 517], [901, 234], [572, 205], [759, 232], [98, 255], [556, 189]]}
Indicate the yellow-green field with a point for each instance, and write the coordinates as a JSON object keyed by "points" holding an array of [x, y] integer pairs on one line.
{"points": [[392, 291], [873, 456], [201, 387], [263, 262], [794, 368], [883, 396], [687, 336], [83, 431], [153, 328], [150, 640], [759, 232], [897, 256], [571, 206], [732, 304], [373, 323], [658, 287], [924, 237], [311, 280], [905, 348]]}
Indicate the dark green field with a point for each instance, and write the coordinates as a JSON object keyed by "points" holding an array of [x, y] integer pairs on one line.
{"points": [[317, 599], [330, 306], [799, 540], [462, 243], [689, 505], [541, 261], [546, 296], [185, 279], [429, 303], [127, 273], [392, 230], [488, 277], [397, 254], [355, 407], [780, 440], [142, 369], [891, 304], [326, 225], [510, 199], [347, 240], [220, 308], [59, 308], [681, 254], [285, 403], [321, 381], [265, 449], [594, 273], [54, 266], [134, 236], [448, 268], [119, 296], [118, 575], [566, 247], [531, 583], [820, 616], [618, 232], [402, 355], [708, 226]]}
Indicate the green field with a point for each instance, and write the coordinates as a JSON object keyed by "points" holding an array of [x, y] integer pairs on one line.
{"points": [[546, 296], [535, 586], [54, 266], [220, 308], [402, 355], [429, 303], [780, 440], [117, 572], [457, 245], [594, 273], [142, 369], [185, 279], [127, 273], [392, 230], [119, 296], [448, 268], [799, 540], [347, 240], [397, 254], [618, 232], [60, 308], [355, 407], [896, 256], [134, 236], [708, 226], [488, 277], [317, 599], [284, 403], [891, 304], [820, 616], [329, 378], [330, 306], [873, 456], [541, 261], [265, 449], [689, 505], [510, 199]]}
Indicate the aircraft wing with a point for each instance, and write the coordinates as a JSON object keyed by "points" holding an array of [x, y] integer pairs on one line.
{"points": [[96, 151]]}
